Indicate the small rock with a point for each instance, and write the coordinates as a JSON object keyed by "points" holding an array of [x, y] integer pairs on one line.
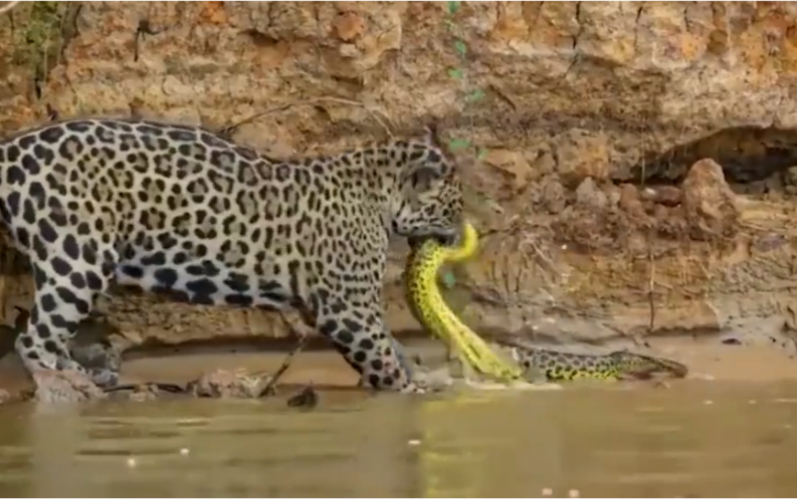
{"points": [[307, 398], [143, 396], [631, 203], [667, 195], [139, 392], [582, 153], [348, 26], [790, 176], [553, 196], [589, 196], [769, 242], [711, 206], [349, 50], [65, 386], [434, 380], [513, 167], [222, 383], [145, 392], [660, 213], [612, 193]]}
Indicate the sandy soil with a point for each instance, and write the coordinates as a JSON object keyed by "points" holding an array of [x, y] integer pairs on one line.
{"points": [[709, 360]]}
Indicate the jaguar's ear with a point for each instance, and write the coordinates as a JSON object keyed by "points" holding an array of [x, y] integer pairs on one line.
{"points": [[426, 161]]}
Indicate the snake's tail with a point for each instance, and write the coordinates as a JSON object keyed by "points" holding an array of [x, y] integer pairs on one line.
{"points": [[430, 309], [476, 351], [467, 247]]}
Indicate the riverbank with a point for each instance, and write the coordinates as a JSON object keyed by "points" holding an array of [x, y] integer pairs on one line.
{"points": [[325, 369]]}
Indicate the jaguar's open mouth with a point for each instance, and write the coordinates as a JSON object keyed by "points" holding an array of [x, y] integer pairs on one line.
{"points": [[445, 239]]}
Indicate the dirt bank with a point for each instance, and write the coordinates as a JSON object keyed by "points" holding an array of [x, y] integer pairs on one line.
{"points": [[708, 363], [577, 126]]}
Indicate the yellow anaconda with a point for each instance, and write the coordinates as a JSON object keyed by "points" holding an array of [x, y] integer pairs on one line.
{"points": [[427, 305], [564, 366]]}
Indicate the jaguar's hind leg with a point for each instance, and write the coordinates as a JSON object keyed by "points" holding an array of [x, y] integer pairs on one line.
{"points": [[65, 292]]}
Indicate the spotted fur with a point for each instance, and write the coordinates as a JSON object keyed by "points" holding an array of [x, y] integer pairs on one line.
{"points": [[178, 210], [559, 366]]}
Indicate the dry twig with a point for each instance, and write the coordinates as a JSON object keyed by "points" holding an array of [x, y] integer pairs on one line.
{"points": [[229, 129], [651, 282], [269, 388]]}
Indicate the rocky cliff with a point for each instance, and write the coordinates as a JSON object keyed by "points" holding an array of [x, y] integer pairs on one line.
{"points": [[630, 165]]}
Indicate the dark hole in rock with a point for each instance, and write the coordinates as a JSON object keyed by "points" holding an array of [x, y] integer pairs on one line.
{"points": [[753, 159]]}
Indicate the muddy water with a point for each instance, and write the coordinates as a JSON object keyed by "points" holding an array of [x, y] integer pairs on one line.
{"points": [[695, 438]]}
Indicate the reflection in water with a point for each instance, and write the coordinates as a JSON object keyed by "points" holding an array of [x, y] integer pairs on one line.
{"points": [[699, 439]]}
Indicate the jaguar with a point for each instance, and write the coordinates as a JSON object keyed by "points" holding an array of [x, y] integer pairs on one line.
{"points": [[184, 212]]}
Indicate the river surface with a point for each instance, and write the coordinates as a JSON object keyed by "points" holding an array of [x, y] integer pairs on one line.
{"points": [[695, 438]]}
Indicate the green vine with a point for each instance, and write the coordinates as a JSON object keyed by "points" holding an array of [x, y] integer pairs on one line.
{"points": [[460, 74], [38, 43], [471, 94]]}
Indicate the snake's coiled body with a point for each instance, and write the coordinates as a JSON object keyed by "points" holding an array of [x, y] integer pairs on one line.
{"points": [[430, 309]]}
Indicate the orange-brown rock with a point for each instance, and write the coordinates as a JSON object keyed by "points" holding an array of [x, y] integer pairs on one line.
{"points": [[710, 204], [536, 101], [65, 386], [349, 26], [631, 203], [582, 154], [222, 383]]}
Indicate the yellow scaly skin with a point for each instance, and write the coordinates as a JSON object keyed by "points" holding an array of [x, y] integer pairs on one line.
{"points": [[428, 307], [568, 366]]}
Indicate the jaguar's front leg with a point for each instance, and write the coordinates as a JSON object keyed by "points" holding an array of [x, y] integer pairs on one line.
{"points": [[370, 349], [404, 362]]}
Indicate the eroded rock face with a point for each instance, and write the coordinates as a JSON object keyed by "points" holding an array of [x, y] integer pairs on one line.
{"points": [[562, 114]]}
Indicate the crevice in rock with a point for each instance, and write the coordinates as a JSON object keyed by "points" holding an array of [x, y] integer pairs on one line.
{"points": [[259, 38], [748, 156]]}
